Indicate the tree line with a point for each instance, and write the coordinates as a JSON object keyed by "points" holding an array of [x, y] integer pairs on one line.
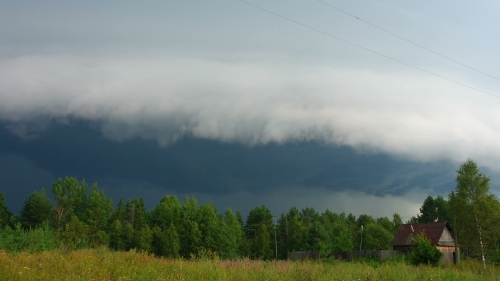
{"points": [[79, 217]]}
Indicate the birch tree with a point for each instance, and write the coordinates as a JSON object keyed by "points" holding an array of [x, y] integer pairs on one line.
{"points": [[476, 209]]}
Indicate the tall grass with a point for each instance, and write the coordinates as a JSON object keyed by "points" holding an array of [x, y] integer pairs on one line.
{"points": [[101, 264]]}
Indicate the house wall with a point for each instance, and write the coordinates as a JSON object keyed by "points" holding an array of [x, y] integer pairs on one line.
{"points": [[448, 253], [446, 238], [446, 245]]}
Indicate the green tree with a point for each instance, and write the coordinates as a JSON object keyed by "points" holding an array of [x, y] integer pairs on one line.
{"points": [[164, 217], [261, 244], [99, 211], [477, 210], [117, 228], [189, 232], [434, 209], [116, 236], [136, 214], [233, 236], [412, 220], [423, 252], [296, 231], [70, 198], [365, 220], [309, 216], [375, 237], [428, 211], [119, 213], [144, 239], [166, 212], [282, 237], [75, 234], [442, 209], [135, 221], [318, 239], [6, 216], [385, 223], [36, 210], [258, 217], [350, 218], [210, 226], [240, 218], [396, 222], [341, 236], [129, 236], [173, 245]]}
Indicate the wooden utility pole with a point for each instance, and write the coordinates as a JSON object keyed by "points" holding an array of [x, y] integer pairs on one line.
{"points": [[275, 240], [361, 243], [286, 221], [457, 252]]}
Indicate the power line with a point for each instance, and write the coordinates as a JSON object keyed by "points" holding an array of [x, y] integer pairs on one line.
{"points": [[407, 40], [366, 49]]}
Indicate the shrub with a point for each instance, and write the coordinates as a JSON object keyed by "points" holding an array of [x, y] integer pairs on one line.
{"points": [[424, 252], [33, 240], [494, 255]]}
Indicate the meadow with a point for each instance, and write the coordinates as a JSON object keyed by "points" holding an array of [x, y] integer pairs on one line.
{"points": [[103, 264]]}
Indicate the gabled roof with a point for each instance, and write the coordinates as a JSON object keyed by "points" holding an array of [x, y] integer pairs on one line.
{"points": [[433, 231]]}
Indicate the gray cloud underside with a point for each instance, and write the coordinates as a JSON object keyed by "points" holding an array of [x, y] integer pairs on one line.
{"points": [[15, 169]]}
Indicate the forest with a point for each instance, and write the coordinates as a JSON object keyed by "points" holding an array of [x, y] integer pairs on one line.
{"points": [[74, 216]]}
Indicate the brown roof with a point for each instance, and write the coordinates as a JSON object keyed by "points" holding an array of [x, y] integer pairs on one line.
{"points": [[433, 231]]}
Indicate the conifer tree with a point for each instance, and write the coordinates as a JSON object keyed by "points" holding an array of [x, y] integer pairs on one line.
{"points": [[297, 231], [99, 211], [6, 216], [116, 236], [428, 211], [261, 244], [257, 218], [36, 210]]}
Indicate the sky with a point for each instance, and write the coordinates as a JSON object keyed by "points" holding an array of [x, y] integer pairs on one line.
{"points": [[352, 106]]}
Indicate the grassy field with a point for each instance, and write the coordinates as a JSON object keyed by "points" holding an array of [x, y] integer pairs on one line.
{"points": [[102, 264]]}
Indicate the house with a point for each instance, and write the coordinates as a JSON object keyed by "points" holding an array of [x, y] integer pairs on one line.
{"points": [[438, 232]]}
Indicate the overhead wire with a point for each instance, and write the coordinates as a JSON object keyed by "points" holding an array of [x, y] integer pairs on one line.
{"points": [[407, 40], [367, 49]]}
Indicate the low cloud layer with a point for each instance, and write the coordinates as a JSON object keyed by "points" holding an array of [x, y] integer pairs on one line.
{"points": [[22, 176], [406, 114], [234, 105], [231, 175]]}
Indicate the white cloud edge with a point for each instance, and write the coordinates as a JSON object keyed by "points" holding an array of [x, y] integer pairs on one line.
{"points": [[164, 98]]}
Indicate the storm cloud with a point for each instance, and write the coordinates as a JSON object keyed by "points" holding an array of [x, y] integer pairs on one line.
{"points": [[227, 102], [228, 174], [413, 116]]}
